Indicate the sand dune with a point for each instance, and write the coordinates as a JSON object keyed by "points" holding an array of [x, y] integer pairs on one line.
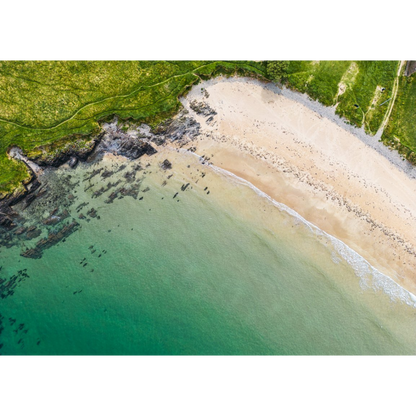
{"points": [[314, 166]]}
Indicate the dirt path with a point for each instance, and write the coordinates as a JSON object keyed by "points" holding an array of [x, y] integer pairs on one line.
{"points": [[393, 99], [141, 88]]}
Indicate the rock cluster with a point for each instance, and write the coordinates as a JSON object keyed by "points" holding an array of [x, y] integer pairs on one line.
{"points": [[21, 221], [202, 108], [7, 286], [52, 239], [177, 128], [125, 144]]}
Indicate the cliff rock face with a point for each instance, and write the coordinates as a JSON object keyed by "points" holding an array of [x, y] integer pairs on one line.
{"points": [[411, 66], [130, 147], [133, 144], [71, 151]]}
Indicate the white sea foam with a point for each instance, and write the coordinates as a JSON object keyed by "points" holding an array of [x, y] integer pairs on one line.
{"points": [[370, 277]]}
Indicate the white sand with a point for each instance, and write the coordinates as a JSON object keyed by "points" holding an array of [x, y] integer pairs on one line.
{"points": [[314, 166]]}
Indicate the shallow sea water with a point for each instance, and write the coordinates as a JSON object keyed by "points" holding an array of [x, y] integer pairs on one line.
{"points": [[224, 272]]}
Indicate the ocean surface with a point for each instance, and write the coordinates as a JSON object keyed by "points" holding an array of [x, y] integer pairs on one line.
{"points": [[189, 260]]}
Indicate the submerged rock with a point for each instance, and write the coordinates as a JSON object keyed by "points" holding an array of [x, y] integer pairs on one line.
{"points": [[35, 232], [52, 239], [52, 220], [20, 230], [92, 213], [6, 221]]}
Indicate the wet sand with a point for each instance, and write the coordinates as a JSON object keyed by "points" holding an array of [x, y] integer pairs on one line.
{"points": [[313, 165]]}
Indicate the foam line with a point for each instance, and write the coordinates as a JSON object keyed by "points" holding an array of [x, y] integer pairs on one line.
{"points": [[369, 276]]}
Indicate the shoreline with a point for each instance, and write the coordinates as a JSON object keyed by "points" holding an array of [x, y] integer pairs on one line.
{"points": [[362, 268], [300, 154], [322, 171]]}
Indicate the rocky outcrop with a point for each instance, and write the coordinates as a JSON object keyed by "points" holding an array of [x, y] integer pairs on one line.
{"points": [[202, 108], [44, 156], [8, 215], [126, 145], [410, 68], [115, 138], [177, 128], [133, 148], [70, 149]]}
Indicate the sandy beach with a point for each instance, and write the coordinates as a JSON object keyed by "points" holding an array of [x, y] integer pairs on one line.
{"points": [[313, 165]]}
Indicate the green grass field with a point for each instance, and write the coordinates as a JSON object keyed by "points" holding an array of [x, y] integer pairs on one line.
{"points": [[355, 87], [46, 104], [400, 131], [42, 102]]}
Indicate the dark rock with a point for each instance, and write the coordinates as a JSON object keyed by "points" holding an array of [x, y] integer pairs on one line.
{"points": [[20, 230], [73, 147], [166, 165], [80, 206], [36, 232], [107, 174], [32, 186], [6, 222], [29, 199], [7, 213], [202, 108], [130, 176], [92, 213], [177, 128], [124, 144], [64, 215], [111, 197], [93, 173], [7, 287], [133, 149], [73, 161], [52, 220]]}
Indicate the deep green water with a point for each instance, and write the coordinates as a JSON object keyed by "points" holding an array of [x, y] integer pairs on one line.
{"points": [[221, 273]]}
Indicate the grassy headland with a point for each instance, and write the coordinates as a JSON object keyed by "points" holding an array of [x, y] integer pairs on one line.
{"points": [[46, 101], [46, 104]]}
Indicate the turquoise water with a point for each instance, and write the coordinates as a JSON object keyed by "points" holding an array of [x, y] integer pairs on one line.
{"points": [[224, 272]]}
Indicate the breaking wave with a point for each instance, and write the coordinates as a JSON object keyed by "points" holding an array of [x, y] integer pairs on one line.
{"points": [[370, 277]]}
